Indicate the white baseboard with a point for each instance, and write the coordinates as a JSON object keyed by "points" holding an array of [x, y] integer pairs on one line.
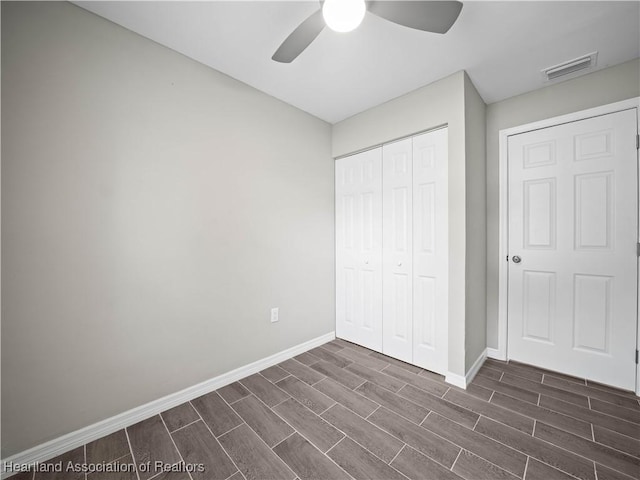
{"points": [[60, 445], [462, 382], [456, 380], [496, 354], [471, 374]]}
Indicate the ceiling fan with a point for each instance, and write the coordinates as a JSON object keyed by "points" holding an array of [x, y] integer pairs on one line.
{"points": [[346, 15]]}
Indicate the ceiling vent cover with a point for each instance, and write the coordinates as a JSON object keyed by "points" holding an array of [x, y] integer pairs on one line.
{"points": [[571, 66]]}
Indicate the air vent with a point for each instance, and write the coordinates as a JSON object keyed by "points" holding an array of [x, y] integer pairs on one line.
{"points": [[572, 66]]}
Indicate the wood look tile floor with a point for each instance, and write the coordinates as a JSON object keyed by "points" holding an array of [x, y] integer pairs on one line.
{"points": [[341, 411]]}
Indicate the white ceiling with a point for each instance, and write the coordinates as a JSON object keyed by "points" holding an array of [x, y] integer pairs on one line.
{"points": [[502, 45]]}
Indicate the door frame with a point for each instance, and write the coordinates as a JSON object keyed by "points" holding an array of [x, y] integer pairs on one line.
{"points": [[502, 351]]}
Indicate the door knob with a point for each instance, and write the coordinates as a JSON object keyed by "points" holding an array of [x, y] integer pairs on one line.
{"points": [[399, 264], [516, 259], [366, 262]]}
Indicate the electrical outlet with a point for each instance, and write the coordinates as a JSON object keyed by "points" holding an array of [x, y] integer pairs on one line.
{"points": [[274, 314]]}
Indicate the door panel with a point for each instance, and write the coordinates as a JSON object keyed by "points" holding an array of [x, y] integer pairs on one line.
{"points": [[359, 249], [539, 305], [573, 221], [594, 211], [430, 250], [425, 312], [348, 280], [397, 255], [592, 312], [540, 213]]}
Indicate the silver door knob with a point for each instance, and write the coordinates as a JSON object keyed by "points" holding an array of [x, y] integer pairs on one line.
{"points": [[399, 264], [516, 259]]}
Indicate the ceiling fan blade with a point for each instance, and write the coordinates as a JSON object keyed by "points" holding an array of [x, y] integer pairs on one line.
{"points": [[430, 16], [300, 38]]}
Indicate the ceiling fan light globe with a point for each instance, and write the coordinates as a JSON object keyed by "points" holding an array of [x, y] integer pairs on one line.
{"points": [[343, 15]]}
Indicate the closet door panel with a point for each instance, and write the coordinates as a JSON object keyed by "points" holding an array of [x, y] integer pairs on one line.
{"points": [[430, 250], [359, 249], [397, 239]]}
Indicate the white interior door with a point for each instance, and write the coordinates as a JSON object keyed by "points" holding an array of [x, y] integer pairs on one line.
{"points": [[397, 218], [573, 223], [359, 249], [430, 250]]}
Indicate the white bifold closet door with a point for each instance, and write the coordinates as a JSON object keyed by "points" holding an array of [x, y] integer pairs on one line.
{"points": [[415, 250], [431, 251], [359, 249], [392, 249], [397, 254]]}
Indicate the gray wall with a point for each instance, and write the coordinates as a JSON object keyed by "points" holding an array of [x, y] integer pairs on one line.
{"points": [[153, 210], [599, 88], [440, 103], [476, 228]]}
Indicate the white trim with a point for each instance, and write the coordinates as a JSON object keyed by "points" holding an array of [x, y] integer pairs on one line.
{"points": [[495, 354], [462, 382], [60, 445], [501, 351], [456, 380], [471, 374], [638, 304], [503, 245]]}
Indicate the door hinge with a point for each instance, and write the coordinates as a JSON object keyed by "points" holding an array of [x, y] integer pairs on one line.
{"points": [[638, 249], [638, 142], [508, 255], [636, 357]]}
